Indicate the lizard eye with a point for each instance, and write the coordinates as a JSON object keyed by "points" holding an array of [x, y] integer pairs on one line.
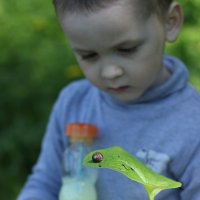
{"points": [[97, 157]]}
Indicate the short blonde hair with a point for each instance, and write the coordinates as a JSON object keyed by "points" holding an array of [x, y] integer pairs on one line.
{"points": [[145, 7]]}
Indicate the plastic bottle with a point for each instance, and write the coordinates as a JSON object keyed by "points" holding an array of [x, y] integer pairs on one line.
{"points": [[78, 182]]}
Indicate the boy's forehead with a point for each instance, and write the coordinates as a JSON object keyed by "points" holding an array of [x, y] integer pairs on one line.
{"points": [[114, 25], [120, 10], [115, 16]]}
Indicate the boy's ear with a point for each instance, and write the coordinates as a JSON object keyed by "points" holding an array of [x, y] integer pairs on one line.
{"points": [[174, 21]]}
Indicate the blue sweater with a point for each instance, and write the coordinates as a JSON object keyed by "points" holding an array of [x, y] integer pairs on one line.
{"points": [[162, 129]]}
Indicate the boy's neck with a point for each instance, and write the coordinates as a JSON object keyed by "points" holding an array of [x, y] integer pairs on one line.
{"points": [[164, 76]]}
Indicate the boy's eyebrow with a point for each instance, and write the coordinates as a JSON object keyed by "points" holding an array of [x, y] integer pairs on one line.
{"points": [[128, 42]]}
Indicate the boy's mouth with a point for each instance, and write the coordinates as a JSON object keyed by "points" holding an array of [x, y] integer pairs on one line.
{"points": [[119, 89]]}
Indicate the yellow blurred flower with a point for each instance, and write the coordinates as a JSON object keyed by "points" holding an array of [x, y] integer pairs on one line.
{"points": [[73, 72], [39, 24]]}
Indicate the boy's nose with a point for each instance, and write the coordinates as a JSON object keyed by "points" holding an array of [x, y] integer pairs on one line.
{"points": [[111, 72]]}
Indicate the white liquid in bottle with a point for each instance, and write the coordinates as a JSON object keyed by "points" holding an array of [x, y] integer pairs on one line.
{"points": [[73, 190]]}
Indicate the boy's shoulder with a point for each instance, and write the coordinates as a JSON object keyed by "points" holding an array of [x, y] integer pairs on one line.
{"points": [[193, 96], [78, 85], [195, 99], [76, 90]]}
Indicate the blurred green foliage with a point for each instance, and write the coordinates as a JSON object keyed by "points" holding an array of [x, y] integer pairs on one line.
{"points": [[35, 63]]}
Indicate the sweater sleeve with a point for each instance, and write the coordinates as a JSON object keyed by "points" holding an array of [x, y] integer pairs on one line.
{"points": [[45, 180], [191, 178]]}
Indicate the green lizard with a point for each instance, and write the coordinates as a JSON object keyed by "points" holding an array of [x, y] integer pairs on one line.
{"points": [[118, 159]]}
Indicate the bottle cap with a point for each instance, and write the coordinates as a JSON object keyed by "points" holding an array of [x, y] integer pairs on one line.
{"points": [[81, 131]]}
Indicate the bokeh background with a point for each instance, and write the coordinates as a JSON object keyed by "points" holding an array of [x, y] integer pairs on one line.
{"points": [[35, 63]]}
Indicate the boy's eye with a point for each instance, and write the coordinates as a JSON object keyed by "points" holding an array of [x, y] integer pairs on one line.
{"points": [[89, 56], [128, 50]]}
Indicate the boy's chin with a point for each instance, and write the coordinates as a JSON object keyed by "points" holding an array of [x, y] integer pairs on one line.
{"points": [[126, 99]]}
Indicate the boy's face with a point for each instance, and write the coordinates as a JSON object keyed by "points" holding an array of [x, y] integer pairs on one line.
{"points": [[118, 52]]}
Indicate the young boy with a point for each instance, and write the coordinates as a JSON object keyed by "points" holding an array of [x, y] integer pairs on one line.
{"points": [[138, 98]]}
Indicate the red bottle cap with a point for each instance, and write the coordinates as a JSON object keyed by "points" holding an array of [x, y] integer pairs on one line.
{"points": [[81, 131]]}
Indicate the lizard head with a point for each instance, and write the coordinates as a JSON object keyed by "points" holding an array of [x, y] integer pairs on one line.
{"points": [[103, 158]]}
